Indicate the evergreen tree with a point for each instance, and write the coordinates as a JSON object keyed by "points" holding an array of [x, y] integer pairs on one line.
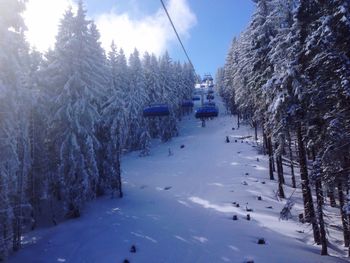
{"points": [[78, 90], [153, 90], [135, 101], [14, 145], [168, 96], [111, 130]]}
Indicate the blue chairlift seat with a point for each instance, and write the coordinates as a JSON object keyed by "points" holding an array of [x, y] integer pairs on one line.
{"points": [[196, 98], [156, 110], [206, 112], [187, 104], [210, 91], [209, 104]]}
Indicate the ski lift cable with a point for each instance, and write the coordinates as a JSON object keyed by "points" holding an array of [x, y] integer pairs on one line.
{"points": [[178, 37]]}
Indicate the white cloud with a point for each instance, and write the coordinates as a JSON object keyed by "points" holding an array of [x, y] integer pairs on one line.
{"points": [[42, 18], [146, 34], [151, 33]]}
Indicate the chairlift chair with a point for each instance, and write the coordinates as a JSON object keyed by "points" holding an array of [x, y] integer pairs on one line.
{"points": [[187, 104], [206, 112], [209, 104], [156, 110]]}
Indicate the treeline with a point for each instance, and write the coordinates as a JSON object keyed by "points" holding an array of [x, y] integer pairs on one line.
{"points": [[68, 114], [289, 74]]}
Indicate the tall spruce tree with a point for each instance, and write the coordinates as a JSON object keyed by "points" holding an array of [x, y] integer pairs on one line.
{"points": [[14, 141], [78, 91]]}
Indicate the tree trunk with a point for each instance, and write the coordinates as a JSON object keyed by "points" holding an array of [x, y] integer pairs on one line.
{"points": [[296, 148], [264, 142], [347, 187], [323, 237], [118, 170], [331, 196], [272, 164], [281, 170], [238, 119], [291, 159], [256, 130], [344, 220], [270, 152], [19, 200], [34, 171], [280, 177], [119, 180], [305, 186]]}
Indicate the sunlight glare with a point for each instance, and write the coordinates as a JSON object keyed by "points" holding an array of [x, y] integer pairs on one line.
{"points": [[42, 18]]}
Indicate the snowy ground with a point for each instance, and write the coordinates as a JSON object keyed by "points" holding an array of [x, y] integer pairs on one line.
{"points": [[179, 209]]}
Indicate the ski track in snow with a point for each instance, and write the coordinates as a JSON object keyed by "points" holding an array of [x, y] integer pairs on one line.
{"points": [[179, 209]]}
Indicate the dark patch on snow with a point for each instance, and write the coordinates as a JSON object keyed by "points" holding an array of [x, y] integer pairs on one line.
{"points": [[167, 187], [301, 218], [133, 249], [261, 241], [235, 204], [249, 209]]}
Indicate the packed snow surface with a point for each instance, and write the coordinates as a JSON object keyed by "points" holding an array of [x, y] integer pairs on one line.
{"points": [[178, 208]]}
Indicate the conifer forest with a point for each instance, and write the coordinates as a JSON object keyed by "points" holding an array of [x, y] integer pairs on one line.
{"points": [[67, 115], [289, 74]]}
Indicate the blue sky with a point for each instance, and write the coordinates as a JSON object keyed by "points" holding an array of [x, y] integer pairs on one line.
{"points": [[218, 21], [206, 26]]}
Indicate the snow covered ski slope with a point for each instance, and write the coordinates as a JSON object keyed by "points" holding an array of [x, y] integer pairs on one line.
{"points": [[179, 208]]}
